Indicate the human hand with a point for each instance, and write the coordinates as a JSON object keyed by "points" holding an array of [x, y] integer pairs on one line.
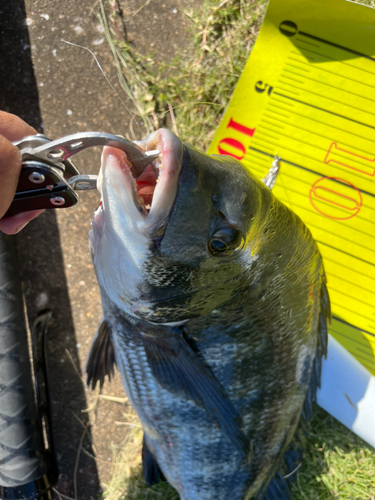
{"points": [[12, 128]]}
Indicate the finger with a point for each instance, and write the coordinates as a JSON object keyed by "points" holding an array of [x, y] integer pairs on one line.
{"points": [[13, 128], [14, 224], [10, 167]]}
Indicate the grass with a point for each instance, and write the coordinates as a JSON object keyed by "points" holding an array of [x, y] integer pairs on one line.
{"points": [[189, 95], [127, 479], [338, 464]]}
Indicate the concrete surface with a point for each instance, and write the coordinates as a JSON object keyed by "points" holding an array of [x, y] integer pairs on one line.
{"points": [[59, 89]]}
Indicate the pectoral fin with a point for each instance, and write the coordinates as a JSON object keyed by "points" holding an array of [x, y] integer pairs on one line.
{"points": [[179, 370], [101, 359]]}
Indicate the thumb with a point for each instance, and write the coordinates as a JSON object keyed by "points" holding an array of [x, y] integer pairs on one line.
{"points": [[10, 167]]}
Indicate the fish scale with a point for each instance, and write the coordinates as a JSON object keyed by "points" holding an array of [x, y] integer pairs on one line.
{"points": [[218, 331], [203, 454]]}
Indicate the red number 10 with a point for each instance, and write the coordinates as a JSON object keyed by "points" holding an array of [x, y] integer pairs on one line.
{"points": [[229, 141]]}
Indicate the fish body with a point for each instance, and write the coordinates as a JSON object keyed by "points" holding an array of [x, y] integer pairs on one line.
{"points": [[215, 305]]}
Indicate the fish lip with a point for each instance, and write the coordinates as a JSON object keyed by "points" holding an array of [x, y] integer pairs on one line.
{"points": [[152, 197]]}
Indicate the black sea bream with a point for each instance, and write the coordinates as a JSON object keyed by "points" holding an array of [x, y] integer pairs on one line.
{"points": [[214, 308]]}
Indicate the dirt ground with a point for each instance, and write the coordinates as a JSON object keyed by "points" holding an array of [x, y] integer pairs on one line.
{"points": [[59, 90]]}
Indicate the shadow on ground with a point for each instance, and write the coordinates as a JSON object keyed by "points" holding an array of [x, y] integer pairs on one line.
{"points": [[42, 269]]}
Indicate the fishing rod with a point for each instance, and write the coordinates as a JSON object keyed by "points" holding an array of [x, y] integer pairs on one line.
{"points": [[28, 467]]}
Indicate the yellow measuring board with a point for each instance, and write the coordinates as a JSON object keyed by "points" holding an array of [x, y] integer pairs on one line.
{"points": [[307, 95]]}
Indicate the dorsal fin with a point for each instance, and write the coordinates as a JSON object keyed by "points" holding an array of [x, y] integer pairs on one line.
{"points": [[101, 359]]}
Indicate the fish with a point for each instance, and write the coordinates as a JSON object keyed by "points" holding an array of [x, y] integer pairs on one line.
{"points": [[215, 311]]}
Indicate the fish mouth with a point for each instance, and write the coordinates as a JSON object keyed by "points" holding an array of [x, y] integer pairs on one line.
{"points": [[148, 198]]}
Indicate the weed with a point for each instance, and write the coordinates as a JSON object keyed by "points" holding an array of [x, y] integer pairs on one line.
{"points": [[190, 93]]}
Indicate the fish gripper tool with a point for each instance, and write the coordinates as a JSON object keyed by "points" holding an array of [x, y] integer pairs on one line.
{"points": [[48, 177]]}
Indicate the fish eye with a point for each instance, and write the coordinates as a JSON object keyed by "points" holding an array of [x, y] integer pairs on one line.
{"points": [[215, 198], [225, 242], [217, 246]]}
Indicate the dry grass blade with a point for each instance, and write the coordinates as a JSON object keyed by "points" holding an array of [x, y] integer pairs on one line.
{"points": [[114, 399], [101, 70], [73, 363], [129, 424], [141, 8], [94, 403], [60, 495], [77, 462]]}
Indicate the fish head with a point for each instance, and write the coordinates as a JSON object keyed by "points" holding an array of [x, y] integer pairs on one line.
{"points": [[160, 244]]}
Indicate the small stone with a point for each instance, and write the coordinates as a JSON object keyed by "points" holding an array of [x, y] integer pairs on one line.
{"points": [[78, 29], [42, 300]]}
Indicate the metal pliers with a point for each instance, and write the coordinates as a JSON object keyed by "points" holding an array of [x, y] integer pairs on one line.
{"points": [[49, 178]]}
